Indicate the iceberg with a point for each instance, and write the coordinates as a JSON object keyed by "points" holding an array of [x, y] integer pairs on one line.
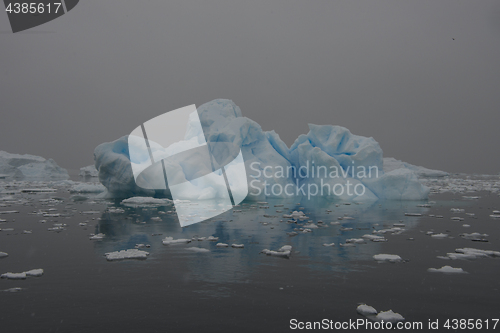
{"points": [[328, 162], [89, 171], [30, 167], [391, 164]]}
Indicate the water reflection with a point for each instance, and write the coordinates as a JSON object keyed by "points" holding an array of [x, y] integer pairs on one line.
{"points": [[258, 226]]}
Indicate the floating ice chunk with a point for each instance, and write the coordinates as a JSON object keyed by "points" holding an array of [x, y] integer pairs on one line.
{"points": [[335, 223], [466, 225], [172, 241], [474, 236], [347, 245], [478, 252], [389, 316], [197, 249], [455, 256], [222, 245], [387, 257], [126, 254], [13, 290], [496, 212], [27, 232], [366, 310], [447, 270], [355, 240], [374, 238], [9, 212], [456, 218], [14, 276], [331, 244], [146, 201], [34, 272], [413, 214], [496, 216], [89, 171], [38, 190], [238, 246], [88, 188], [285, 252], [99, 236], [3, 254], [439, 236], [457, 210], [212, 239]]}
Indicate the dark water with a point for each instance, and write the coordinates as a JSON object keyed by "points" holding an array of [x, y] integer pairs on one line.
{"points": [[239, 290]]}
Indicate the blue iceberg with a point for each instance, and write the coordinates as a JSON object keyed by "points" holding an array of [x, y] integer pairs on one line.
{"points": [[328, 162]]}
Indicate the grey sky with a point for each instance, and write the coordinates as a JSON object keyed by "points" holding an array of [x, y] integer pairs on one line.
{"points": [[387, 69]]}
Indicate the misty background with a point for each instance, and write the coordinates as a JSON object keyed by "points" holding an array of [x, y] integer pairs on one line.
{"points": [[421, 77]]}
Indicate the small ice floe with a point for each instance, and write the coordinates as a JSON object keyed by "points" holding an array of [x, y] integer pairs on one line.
{"points": [[212, 239], [456, 218], [83, 224], [197, 249], [447, 270], [34, 272], [394, 230], [335, 223], [311, 226], [387, 257], [126, 254], [88, 212], [87, 188], [145, 201], [38, 190], [141, 246], [9, 212], [457, 210], [478, 253], [13, 290], [389, 316], [496, 212], [285, 251], [374, 238], [366, 310], [222, 245], [495, 216], [470, 197], [292, 233], [27, 232], [99, 236], [347, 245], [331, 244], [3, 254], [156, 218], [399, 225], [14, 276], [238, 246], [172, 241], [113, 210], [470, 214], [475, 236], [355, 241], [56, 229], [466, 225], [345, 229], [439, 236], [413, 214]]}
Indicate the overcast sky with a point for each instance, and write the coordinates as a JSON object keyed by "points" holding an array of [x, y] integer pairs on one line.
{"points": [[421, 77]]}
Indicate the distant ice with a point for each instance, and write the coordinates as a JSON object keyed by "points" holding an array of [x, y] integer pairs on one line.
{"points": [[146, 201], [34, 272], [89, 171], [88, 188], [391, 164], [99, 236], [30, 167]]}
